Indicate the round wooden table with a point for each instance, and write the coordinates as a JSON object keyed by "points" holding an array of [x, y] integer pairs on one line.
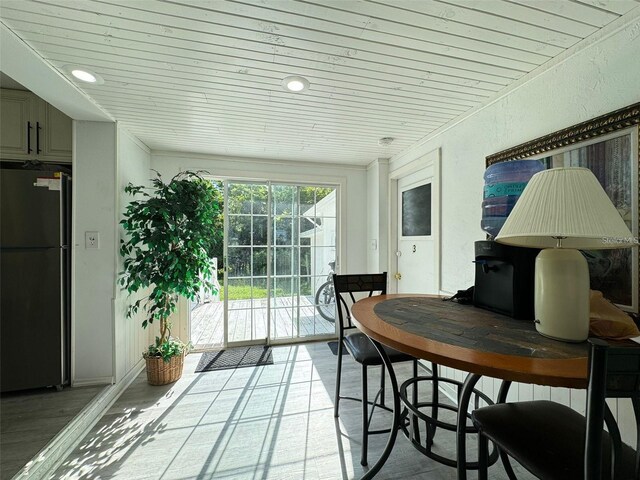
{"points": [[471, 339]]}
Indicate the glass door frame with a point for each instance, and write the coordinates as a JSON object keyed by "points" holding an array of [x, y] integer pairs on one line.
{"points": [[270, 246]]}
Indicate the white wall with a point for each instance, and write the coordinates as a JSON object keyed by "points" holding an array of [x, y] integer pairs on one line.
{"points": [[596, 80], [106, 344], [94, 270], [377, 241], [131, 339]]}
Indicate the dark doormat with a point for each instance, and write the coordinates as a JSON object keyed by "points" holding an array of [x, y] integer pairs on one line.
{"points": [[235, 358], [333, 345]]}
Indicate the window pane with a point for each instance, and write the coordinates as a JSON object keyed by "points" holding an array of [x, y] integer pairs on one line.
{"points": [[327, 193], [323, 260], [307, 201], [308, 226], [259, 292], [239, 198], [325, 234], [239, 230], [317, 283], [260, 196], [239, 261], [305, 287], [282, 288], [305, 260], [284, 197], [239, 290], [282, 231], [416, 211], [260, 261], [283, 261], [259, 230]]}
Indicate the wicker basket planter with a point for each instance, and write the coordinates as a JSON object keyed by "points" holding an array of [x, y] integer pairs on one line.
{"points": [[160, 372]]}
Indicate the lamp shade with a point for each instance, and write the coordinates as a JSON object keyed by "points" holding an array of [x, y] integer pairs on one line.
{"points": [[569, 203]]}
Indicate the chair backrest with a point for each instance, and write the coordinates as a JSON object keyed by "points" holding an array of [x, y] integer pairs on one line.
{"points": [[614, 372], [346, 285]]}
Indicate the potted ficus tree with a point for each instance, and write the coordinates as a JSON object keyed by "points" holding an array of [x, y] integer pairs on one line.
{"points": [[171, 231]]}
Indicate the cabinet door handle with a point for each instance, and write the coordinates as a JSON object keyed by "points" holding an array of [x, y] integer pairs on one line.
{"points": [[29, 127], [38, 138]]}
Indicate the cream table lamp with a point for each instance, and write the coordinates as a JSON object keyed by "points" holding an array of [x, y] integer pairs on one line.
{"points": [[562, 210]]}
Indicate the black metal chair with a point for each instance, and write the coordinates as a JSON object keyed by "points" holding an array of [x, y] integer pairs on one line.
{"points": [[553, 441], [361, 348]]}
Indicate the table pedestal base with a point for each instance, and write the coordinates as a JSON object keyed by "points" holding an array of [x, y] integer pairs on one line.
{"points": [[461, 428], [429, 415]]}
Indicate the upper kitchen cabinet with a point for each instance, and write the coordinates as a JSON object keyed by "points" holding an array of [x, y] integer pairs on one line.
{"points": [[32, 129]]}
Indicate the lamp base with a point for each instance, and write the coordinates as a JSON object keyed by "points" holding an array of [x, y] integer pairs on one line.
{"points": [[561, 298]]}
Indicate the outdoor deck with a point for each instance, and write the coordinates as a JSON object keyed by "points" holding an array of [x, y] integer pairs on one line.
{"points": [[207, 329]]}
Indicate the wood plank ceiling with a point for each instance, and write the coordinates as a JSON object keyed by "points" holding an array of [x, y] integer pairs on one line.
{"points": [[205, 76]]}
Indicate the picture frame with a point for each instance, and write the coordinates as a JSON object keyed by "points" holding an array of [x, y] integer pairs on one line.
{"points": [[609, 146]]}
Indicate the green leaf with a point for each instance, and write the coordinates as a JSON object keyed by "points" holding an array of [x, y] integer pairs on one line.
{"points": [[172, 230]]}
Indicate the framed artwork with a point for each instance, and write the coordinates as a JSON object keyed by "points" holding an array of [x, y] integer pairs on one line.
{"points": [[609, 147]]}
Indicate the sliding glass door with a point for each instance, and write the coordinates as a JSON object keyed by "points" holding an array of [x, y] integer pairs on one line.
{"points": [[280, 246], [246, 266]]}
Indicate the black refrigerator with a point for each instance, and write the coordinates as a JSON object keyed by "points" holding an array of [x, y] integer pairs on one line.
{"points": [[35, 279]]}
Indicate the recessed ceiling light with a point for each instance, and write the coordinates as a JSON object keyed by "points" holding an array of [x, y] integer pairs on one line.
{"points": [[83, 74], [295, 83], [384, 141]]}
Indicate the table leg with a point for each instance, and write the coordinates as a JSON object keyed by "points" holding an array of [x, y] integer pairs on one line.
{"points": [[502, 398], [504, 390], [396, 414], [461, 436]]}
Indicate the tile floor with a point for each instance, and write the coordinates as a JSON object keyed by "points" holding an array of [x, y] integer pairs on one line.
{"points": [[268, 422]]}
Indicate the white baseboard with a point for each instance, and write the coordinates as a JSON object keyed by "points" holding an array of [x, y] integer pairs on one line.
{"points": [[89, 382], [54, 453]]}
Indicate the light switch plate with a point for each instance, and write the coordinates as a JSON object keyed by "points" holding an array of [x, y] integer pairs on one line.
{"points": [[91, 240]]}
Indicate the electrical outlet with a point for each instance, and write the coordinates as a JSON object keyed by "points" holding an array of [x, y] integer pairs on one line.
{"points": [[91, 240]]}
